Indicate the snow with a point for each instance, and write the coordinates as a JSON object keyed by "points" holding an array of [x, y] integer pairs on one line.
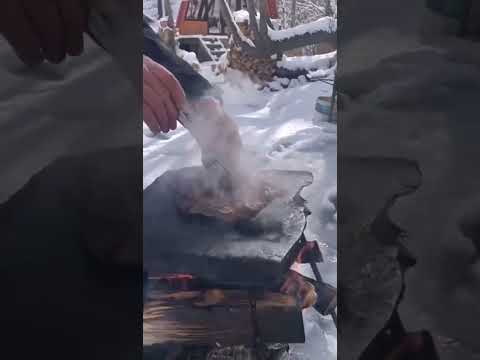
{"points": [[322, 73], [223, 60], [275, 85], [328, 24], [277, 130], [241, 16], [318, 66], [276, 23], [188, 56], [315, 62]]}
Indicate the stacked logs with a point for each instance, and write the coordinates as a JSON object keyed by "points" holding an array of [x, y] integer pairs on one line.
{"points": [[258, 69]]}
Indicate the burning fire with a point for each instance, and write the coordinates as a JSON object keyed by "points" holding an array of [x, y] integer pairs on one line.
{"points": [[296, 285]]}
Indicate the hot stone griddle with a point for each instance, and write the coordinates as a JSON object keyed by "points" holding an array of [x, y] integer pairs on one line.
{"points": [[253, 251]]}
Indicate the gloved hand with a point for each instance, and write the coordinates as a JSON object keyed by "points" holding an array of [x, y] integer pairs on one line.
{"points": [[163, 97], [44, 29]]}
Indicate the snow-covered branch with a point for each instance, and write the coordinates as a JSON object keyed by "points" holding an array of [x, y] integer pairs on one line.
{"points": [[323, 25], [317, 32], [240, 39], [268, 41]]}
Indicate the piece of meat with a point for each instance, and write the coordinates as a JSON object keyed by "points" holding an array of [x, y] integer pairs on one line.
{"points": [[230, 206], [225, 190]]}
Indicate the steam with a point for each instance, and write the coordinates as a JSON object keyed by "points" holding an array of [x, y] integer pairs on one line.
{"points": [[230, 170]]}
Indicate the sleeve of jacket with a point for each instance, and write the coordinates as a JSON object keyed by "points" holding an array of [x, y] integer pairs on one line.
{"points": [[193, 83]]}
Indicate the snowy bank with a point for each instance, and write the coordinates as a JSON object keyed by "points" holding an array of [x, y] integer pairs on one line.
{"points": [[314, 62], [241, 16], [189, 57]]}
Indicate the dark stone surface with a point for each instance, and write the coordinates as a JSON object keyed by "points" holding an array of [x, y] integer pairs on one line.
{"points": [[213, 249]]}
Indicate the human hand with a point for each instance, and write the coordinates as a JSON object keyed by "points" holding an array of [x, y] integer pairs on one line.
{"points": [[163, 97], [44, 29]]}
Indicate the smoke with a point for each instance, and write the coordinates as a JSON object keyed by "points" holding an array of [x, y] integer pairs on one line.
{"points": [[230, 170]]}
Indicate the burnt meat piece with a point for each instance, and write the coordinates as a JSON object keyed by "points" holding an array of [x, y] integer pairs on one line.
{"points": [[230, 205]]}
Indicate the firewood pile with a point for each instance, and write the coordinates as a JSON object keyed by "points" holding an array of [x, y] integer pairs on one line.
{"points": [[259, 69]]}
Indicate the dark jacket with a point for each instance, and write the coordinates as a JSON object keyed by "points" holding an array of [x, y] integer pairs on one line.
{"points": [[192, 82]]}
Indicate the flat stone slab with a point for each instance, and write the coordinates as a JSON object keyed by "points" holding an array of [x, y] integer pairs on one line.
{"points": [[216, 250]]}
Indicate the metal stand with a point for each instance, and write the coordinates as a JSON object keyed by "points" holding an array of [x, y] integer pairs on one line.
{"points": [[334, 98], [322, 308]]}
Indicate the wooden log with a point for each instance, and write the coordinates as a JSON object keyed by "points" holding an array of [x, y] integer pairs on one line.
{"points": [[225, 317]]}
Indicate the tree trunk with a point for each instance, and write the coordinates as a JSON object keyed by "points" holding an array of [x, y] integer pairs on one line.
{"points": [[263, 18], [293, 13], [210, 6], [169, 12], [227, 15], [203, 7], [328, 8], [252, 11], [160, 8]]}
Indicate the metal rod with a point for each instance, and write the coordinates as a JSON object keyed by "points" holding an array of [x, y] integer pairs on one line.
{"points": [[334, 97], [333, 314], [319, 279], [316, 272]]}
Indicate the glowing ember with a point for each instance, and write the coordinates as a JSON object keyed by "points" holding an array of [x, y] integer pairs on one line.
{"points": [[296, 285]]}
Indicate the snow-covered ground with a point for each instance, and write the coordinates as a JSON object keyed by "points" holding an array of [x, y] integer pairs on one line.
{"points": [[277, 128]]}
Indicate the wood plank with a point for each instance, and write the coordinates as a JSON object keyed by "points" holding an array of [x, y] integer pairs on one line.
{"points": [[223, 317]]}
